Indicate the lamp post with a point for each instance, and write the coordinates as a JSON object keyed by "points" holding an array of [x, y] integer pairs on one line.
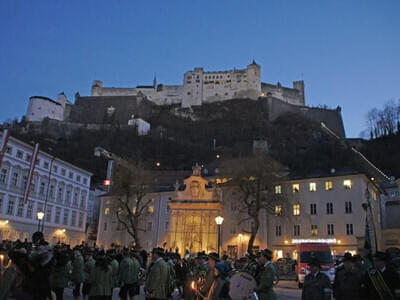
{"points": [[241, 244], [40, 216], [219, 221]]}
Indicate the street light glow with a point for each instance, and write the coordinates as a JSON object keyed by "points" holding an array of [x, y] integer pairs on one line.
{"points": [[40, 215], [219, 220]]}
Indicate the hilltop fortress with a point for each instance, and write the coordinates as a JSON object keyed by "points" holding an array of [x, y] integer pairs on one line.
{"points": [[137, 105], [206, 87]]}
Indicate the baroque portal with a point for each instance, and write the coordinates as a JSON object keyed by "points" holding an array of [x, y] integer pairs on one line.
{"points": [[192, 224]]}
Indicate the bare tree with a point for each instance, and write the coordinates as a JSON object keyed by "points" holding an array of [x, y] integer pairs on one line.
{"points": [[130, 187], [255, 179]]}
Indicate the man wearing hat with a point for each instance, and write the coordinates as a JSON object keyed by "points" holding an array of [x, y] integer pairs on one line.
{"points": [[316, 284], [157, 279], [381, 281], [265, 277], [348, 280]]}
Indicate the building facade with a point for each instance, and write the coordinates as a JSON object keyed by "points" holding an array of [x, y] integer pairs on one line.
{"points": [[324, 209], [63, 185]]}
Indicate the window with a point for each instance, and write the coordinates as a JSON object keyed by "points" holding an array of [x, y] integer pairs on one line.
{"points": [[41, 189], [84, 180], [51, 191], [328, 185], [48, 213], [296, 210], [1, 203], [14, 180], [20, 154], [29, 209], [105, 226], [20, 209], [347, 184], [9, 150], [314, 230], [75, 200], [66, 216], [10, 207], [68, 197], [3, 176], [28, 157], [73, 218], [46, 164], [374, 195], [331, 230], [78, 178], [106, 211], [80, 220], [278, 189], [83, 201], [296, 188], [55, 169], [58, 215], [60, 194], [24, 181], [150, 209], [347, 207], [313, 208], [149, 226], [278, 230], [329, 208], [71, 175], [63, 172], [278, 210], [313, 186], [296, 230], [349, 229]]}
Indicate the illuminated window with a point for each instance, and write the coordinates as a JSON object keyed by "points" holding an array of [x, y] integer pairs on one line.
{"points": [[313, 187], [328, 185], [150, 209], [278, 189], [279, 254], [347, 184], [314, 230], [278, 210], [107, 211], [296, 188], [296, 210]]}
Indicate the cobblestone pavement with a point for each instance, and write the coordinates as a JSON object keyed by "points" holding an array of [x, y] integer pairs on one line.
{"points": [[285, 290]]}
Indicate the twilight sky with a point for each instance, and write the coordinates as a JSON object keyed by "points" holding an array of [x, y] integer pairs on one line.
{"points": [[347, 52]]}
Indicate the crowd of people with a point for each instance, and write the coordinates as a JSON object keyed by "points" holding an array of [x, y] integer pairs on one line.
{"points": [[36, 271]]}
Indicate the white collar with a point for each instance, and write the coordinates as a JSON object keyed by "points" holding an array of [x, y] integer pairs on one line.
{"points": [[267, 263]]}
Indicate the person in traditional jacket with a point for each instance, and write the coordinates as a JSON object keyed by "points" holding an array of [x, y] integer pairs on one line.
{"points": [[128, 276], [115, 268], [213, 259], [89, 265], [78, 275], [157, 279], [265, 277], [348, 280], [219, 289], [101, 280], [383, 276], [316, 284], [60, 274]]}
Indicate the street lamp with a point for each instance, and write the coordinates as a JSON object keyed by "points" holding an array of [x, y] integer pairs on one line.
{"points": [[219, 221], [240, 241], [40, 216]]}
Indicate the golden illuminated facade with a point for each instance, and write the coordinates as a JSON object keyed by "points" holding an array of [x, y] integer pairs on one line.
{"points": [[193, 211]]}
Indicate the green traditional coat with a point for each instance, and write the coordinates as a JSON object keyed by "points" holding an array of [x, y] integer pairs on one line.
{"points": [[129, 271], [78, 274], [101, 281], [115, 269], [156, 282], [265, 281], [89, 265], [60, 276]]}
